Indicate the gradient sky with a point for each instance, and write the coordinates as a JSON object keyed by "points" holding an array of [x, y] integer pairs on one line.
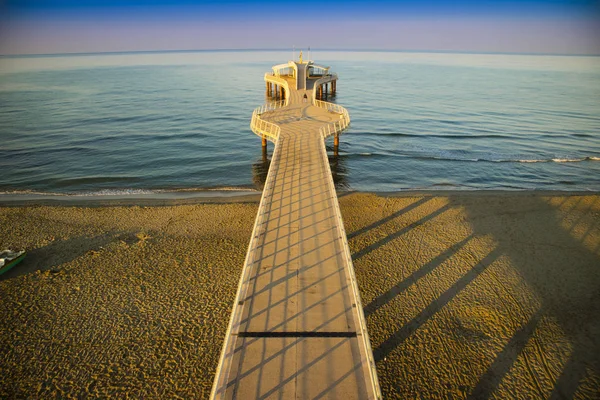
{"points": [[71, 26]]}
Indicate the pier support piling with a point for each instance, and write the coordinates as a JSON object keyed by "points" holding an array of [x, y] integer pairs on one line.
{"points": [[264, 153], [264, 143]]}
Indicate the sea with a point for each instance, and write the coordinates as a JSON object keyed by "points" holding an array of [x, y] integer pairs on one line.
{"points": [[162, 122]]}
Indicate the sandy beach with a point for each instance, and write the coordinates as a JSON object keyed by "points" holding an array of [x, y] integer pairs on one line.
{"points": [[466, 295]]}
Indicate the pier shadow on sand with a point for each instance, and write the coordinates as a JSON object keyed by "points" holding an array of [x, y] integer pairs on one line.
{"points": [[559, 270], [564, 275]]}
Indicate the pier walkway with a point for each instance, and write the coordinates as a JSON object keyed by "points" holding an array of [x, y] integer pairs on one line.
{"points": [[297, 330]]}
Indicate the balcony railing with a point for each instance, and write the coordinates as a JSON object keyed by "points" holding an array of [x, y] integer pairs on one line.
{"points": [[264, 128], [335, 127]]}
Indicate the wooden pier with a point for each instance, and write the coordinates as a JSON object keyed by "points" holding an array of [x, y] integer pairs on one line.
{"points": [[297, 329]]}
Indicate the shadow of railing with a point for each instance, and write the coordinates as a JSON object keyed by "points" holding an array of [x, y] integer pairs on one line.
{"points": [[561, 272], [552, 248], [389, 218], [395, 290], [374, 246], [408, 329], [505, 360]]}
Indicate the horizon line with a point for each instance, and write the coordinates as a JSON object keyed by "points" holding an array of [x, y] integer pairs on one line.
{"points": [[358, 50]]}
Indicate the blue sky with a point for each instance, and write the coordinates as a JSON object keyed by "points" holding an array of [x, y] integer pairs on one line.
{"points": [[66, 26]]}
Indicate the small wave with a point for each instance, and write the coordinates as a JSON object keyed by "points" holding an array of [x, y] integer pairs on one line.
{"points": [[440, 136], [556, 160], [102, 192], [94, 180], [509, 160], [113, 192], [563, 160], [211, 189], [448, 184], [126, 192], [29, 192]]}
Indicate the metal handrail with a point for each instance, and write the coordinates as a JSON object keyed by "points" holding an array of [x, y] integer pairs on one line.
{"points": [[271, 106], [264, 128], [235, 319], [365, 342], [332, 76], [336, 127], [271, 77]]}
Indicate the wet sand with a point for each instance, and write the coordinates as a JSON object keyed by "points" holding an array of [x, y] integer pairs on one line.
{"points": [[485, 295]]}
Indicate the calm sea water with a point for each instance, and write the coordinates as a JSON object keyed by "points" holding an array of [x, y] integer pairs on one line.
{"points": [[129, 123]]}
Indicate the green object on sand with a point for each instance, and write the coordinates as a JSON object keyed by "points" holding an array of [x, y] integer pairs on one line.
{"points": [[9, 259]]}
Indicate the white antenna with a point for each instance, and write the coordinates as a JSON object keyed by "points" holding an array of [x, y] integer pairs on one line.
{"points": [[308, 53]]}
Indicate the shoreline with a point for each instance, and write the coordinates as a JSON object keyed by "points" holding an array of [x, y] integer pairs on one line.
{"points": [[209, 196], [172, 198]]}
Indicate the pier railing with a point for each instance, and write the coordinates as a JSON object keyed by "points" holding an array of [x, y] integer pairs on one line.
{"points": [[264, 128], [252, 257], [335, 127], [332, 76], [271, 106], [271, 77], [365, 343], [331, 107]]}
